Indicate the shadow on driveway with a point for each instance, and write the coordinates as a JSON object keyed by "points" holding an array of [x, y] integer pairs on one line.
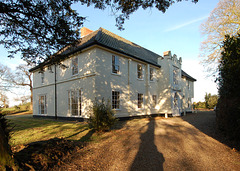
{"points": [[148, 156], [205, 121]]}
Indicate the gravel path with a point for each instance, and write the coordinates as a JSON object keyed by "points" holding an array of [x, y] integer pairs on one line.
{"points": [[180, 143]]}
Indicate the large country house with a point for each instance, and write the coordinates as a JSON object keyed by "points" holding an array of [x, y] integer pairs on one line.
{"points": [[104, 65]]}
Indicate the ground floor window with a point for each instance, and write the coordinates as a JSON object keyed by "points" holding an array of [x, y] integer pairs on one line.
{"points": [[115, 100], [74, 102], [154, 99], [42, 104], [140, 100]]}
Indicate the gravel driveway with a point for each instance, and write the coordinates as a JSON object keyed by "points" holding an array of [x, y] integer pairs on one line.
{"points": [[180, 143]]}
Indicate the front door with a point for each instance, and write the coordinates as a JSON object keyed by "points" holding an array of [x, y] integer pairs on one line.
{"points": [[176, 105]]}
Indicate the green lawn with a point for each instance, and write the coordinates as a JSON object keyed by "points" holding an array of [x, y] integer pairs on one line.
{"points": [[28, 129]]}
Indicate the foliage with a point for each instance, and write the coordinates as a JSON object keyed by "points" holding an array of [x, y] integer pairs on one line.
{"points": [[35, 28], [224, 19], [200, 105], [102, 117], [228, 108], [207, 97], [210, 100], [38, 28]]}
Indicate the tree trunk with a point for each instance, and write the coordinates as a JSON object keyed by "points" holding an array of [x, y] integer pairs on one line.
{"points": [[5, 156]]}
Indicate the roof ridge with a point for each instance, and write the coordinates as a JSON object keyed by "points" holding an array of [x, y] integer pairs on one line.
{"points": [[126, 41]]}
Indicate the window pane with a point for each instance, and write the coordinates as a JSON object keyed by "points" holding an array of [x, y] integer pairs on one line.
{"points": [[42, 105], [115, 64], [154, 97], [74, 66], [140, 100], [115, 99], [151, 74], [75, 102], [139, 71]]}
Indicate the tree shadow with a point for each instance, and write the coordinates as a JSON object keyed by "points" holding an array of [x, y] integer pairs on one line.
{"points": [[205, 121], [148, 156]]}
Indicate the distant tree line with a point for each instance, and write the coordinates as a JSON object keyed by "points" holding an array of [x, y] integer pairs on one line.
{"points": [[209, 103]]}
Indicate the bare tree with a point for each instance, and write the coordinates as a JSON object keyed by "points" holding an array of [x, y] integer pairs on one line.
{"points": [[223, 20], [21, 77], [4, 102], [4, 72]]}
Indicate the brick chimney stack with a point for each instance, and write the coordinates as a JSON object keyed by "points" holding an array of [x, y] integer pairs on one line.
{"points": [[85, 31]]}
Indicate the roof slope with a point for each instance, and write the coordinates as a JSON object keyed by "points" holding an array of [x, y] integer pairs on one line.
{"points": [[111, 41], [188, 76]]}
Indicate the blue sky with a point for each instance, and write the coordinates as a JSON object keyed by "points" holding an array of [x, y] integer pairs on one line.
{"points": [[176, 30]]}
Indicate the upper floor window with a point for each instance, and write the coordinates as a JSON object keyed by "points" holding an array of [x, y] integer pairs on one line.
{"points": [[42, 104], [175, 75], [154, 98], [151, 74], [115, 100], [140, 100], [115, 64], [74, 66], [139, 71], [42, 77]]}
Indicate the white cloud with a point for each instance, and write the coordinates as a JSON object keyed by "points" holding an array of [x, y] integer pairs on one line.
{"points": [[185, 24]]}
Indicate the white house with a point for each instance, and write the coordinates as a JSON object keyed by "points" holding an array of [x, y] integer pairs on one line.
{"points": [[105, 65]]}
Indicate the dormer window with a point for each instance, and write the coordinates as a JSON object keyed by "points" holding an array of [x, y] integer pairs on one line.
{"points": [[74, 66], [115, 64]]}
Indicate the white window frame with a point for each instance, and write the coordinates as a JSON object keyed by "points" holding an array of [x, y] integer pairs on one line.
{"points": [[116, 101], [78, 93], [42, 104], [142, 100], [154, 101], [140, 72], [115, 65], [151, 74], [74, 66]]}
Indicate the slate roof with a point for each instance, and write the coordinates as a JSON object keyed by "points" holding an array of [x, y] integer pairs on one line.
{"points": [[184, 74], [105, 38]]}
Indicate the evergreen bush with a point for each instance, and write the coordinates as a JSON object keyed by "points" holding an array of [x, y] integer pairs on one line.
{"points": [[102, 118]]}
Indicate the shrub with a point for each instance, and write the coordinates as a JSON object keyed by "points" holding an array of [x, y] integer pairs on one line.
{"points": [[102, 118]]}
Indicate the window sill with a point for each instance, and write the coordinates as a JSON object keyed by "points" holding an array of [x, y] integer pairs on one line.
{"points": [[42, 114], [116, 109], [75, 75], [116, 74]]}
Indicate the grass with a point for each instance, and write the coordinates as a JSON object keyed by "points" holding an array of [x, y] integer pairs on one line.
{"points": [[16, 109], [28, 129]]}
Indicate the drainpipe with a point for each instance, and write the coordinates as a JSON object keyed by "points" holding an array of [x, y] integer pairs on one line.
{"points": [[129, 85], [55, 89]]}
